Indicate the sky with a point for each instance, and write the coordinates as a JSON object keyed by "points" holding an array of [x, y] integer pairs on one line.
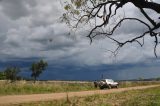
{"points": [[31, 30]]}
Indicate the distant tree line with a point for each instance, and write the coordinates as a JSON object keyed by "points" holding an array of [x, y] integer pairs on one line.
{"points": [[2, 76], [12, 73]]}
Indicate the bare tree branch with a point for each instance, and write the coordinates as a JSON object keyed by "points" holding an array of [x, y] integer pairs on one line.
{"points": [[106, 11]]}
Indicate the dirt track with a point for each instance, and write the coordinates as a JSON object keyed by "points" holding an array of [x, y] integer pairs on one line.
{"points": [[15, 99]]}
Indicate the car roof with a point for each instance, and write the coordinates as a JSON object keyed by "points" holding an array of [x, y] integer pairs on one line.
{"points": [[106, 79]]}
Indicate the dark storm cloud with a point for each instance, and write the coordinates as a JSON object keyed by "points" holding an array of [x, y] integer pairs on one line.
{"points": [[68, 71], [36, 29], [30, 30]]}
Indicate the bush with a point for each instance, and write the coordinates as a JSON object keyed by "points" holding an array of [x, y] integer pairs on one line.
{"points": [[2, 76]]}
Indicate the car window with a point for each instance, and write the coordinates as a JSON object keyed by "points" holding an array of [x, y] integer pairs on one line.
{"points": [[103, 80], [110, 80]]}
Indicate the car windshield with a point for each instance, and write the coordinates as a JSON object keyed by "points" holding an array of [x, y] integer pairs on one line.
{"points": [[107, 80], [110, 80]]}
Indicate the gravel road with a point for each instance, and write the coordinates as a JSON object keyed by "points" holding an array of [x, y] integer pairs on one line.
{"points": [[16, 99]]}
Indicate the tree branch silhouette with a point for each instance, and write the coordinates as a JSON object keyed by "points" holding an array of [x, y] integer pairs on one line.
{"points": [[85, 11]]}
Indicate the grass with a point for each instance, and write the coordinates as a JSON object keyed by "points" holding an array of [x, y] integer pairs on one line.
{"points": [[137, 83], [146, 97], [23, 87], [28, 87]]}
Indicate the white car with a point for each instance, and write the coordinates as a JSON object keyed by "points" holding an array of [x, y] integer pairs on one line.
{"points": [[106, 83]]}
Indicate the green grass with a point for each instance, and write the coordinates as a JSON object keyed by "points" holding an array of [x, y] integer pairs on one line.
{"points": [[23, 87], [28, 87], [146, 97]]}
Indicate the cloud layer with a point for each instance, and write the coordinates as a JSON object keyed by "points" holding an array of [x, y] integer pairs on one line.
{"points": [[31, 29]]}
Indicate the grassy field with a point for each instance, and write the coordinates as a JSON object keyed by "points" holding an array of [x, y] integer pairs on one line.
{"points": [[124, 84], [146, 97], [28, 87]]}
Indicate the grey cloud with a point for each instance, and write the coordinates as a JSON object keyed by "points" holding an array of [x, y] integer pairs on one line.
{"points": [[39, 34], [6, 24], [30, 29], [31, 3], [131, 27], [14, 9], [45, 13]]}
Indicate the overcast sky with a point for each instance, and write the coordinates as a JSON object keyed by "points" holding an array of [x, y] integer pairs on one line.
{"points": [[28, 26]]}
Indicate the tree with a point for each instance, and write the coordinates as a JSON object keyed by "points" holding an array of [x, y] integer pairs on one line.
{"points": [[2, 76], [11, 73], [88, 12], [37, 68]]}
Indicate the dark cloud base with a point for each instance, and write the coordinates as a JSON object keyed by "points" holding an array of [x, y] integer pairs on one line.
{"points": [[30, 28], [73, 71]]}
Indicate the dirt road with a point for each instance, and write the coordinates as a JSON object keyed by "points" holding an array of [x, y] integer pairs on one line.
{"points": [[15, 99]]}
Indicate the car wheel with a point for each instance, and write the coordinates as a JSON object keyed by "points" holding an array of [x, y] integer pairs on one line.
{"points": [[101, 87], [109, 87], [95, 85]]}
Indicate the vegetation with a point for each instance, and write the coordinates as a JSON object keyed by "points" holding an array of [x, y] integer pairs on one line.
{"points": [[2, 76], [104, 17], [137, 83], [146, 97], [38, 68], [28, 87], [11, 73]]}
